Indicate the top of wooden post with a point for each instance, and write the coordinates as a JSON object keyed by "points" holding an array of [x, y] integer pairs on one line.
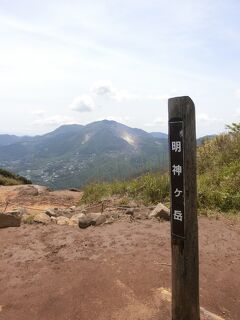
{"points": [[181, 107]]}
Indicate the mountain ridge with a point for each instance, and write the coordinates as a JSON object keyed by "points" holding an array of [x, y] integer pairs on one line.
{"points": [[73, 155]]}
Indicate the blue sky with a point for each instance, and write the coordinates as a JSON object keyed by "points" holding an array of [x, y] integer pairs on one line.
{"points": [[80, 61]]}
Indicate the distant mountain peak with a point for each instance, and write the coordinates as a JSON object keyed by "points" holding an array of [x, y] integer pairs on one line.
{"points": [[159, 135], [68, 127]]}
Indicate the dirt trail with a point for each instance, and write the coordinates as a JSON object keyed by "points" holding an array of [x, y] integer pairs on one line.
{"points": [[118, 272]]}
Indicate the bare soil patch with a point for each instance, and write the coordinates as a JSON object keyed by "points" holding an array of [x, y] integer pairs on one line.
{"points": [[119, 271], [34, 197]]}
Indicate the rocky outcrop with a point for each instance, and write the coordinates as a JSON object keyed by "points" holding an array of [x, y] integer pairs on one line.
{"points": [[9, 220]]}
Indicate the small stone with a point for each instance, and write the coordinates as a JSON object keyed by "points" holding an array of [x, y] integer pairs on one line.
{"points": [[51, 212], [53, 219], [42, 218], [161, 212], [8, 220], [74, 220], [94, 215], [84, 222], [62, 221], [130, 211], [100, 220]]}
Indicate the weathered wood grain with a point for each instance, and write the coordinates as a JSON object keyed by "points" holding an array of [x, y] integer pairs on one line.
{"points": [[185, 257]]}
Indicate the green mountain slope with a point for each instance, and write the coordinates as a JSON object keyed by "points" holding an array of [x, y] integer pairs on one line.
{"points": [[74, 155]]}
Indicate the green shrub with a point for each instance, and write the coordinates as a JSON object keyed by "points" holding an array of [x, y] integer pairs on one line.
{"points": [[219, 171], [10, 179], [29, 219], [149, 188]]}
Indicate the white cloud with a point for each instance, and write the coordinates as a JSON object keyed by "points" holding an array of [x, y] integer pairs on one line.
{"points": [[103, 89], [125, 95], [156, 122], [83, 103], [159, 121], [237, 93], [157, 97], [205, 118], [106, 89], [39, 113], [56, 120]]}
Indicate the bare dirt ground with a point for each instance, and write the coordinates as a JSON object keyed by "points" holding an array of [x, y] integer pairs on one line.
{"points": [[23, 196], [119, 271]]}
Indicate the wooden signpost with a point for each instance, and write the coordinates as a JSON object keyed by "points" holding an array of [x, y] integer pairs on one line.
{"points": [[184, 225]]}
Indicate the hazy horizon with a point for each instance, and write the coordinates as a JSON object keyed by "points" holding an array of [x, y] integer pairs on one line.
{"points": [[53, 129]]}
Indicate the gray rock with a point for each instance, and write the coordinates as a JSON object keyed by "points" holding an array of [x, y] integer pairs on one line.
{"points": [[52, 213], [42, 218], [130, 211], [74, 220], [17, 212], [100, 220], [160, 212], [53, 219], [93, 216], [84, 222], [65, 212], [8, 220]]}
